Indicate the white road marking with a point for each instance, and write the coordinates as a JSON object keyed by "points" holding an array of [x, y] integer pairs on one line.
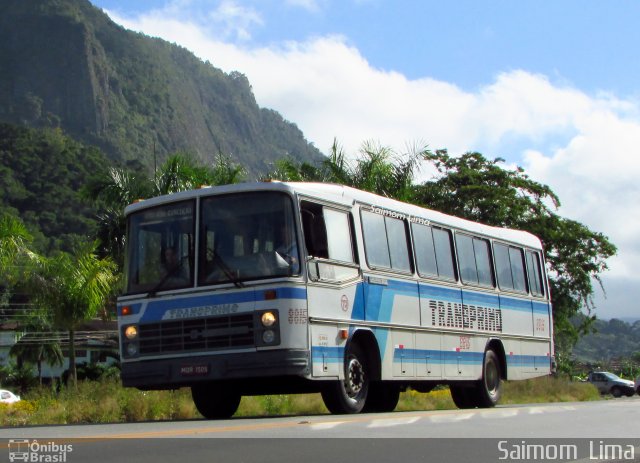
{"points": [[385, 423]]}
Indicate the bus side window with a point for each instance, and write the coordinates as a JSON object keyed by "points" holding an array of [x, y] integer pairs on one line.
{"points": [[385, 241], [474, 260], [434, 253], [315, 230], [327, 232], [510, 267], [534, 273]]}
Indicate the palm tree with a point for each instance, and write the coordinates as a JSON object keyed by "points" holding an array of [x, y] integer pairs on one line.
{"points": [[121, 187], [377, 169], [15, 252], [36, 346], [69, 289]]}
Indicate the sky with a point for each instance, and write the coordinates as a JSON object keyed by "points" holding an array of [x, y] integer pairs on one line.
{"points": [[549, 86]]}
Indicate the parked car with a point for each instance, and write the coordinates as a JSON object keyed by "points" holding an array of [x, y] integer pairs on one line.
{"points": [[8, 397], [608, 383]]}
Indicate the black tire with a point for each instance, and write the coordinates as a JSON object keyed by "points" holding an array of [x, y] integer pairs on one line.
{"points": [[349, 396], [489, 388], [215, 400], [616, 392], [382, 397], [463, 397]]}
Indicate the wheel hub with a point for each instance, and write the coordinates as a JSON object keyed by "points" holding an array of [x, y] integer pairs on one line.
{"points": [[355, 377]]}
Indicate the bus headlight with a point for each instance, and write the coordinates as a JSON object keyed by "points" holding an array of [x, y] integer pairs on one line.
{"points": [[268, 336], [132, 349], [267, 328], [131, 332], [268, 319]]}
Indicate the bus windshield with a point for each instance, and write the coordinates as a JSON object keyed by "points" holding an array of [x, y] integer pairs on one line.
{"points": [[243, 237], [161, 248], [247, 236]]}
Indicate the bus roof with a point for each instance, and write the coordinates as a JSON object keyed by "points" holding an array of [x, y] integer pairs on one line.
{"points": [[348, 196]]}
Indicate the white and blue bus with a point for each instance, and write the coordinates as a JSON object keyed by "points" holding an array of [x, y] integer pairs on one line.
{"points": [[273, 288]]}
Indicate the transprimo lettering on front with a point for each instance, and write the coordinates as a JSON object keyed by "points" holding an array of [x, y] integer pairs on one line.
{"points": [[202, 311], [462, 316]]}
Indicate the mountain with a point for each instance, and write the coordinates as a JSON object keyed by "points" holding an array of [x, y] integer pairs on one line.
{"points": [[66, 64], [41, 174], [610, 339]]}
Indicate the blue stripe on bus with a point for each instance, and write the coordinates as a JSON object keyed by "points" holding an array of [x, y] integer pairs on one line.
{"points": [[157, 308], [541, 307], [327, 354], [516, 361], [441, 357], [438, 292], [463, 357], [438, 356], [486, 300], [519, 305]]}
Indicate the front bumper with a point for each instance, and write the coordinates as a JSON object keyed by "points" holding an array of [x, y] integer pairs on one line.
{"points": [[177, 372]]}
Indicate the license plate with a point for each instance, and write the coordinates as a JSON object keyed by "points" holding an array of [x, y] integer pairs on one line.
{"points": [[194, 370]]}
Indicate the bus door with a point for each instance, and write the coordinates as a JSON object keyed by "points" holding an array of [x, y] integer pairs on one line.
{"points": [[334, 291]]}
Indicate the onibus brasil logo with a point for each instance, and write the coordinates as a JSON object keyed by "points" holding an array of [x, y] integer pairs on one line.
{"points": [[40, 452]]}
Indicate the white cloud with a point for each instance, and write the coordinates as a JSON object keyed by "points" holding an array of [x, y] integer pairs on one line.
{"points": [[310, 5], [237, 20], [589, 153]]}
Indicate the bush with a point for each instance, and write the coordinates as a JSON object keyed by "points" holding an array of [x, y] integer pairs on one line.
{"points": [[106, 401]]}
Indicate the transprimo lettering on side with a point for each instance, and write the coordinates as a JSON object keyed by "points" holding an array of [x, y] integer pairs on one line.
{"points": [[202, 311], [462, 316]]}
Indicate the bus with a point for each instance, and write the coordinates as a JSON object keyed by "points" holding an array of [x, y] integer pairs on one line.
{"points": [[278, 288]]}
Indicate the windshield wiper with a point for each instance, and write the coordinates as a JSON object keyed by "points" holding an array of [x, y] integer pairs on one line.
{"points": [[227, 270], [165, 278]]}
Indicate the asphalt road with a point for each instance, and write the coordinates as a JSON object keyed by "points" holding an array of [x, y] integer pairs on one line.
{"points": [[609, 428]]}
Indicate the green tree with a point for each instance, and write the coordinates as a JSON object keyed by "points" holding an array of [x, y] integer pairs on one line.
{"points": [[38, 345], [15, 251], [69, 289], [377, 169], [120, 187]]}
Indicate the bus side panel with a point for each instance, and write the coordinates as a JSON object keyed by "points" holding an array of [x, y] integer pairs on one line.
{"points": [[517, 316], [462, 356], [337, 303], [387, 300], [327, 351], [541, 319], [391, 301], [428, 355], [529, 359]]}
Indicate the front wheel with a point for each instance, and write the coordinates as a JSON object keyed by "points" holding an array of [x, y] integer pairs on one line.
{"points": [[383, 397], [350, 395], [616, 392], [215, 400]]}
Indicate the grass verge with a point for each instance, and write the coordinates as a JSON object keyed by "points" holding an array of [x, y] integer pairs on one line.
{"points": [[108, 402]]}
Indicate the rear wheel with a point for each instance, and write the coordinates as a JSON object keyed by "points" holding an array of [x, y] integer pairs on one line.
{"points": [[350, 395], [382, 397], [489, 389], [215, 400], [463, 397]]}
